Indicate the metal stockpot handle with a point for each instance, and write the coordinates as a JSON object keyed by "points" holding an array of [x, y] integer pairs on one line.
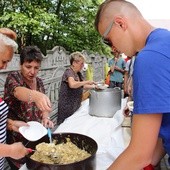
{"points": [[118, 88]]}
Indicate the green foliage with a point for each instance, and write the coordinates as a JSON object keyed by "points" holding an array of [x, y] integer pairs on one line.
{"points": [[47, 23]]}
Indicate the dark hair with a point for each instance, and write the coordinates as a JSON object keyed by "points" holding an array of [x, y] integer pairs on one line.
{"points": [[29, 54]]}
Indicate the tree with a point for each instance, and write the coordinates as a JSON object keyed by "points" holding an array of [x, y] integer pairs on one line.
{"points": [[47, 23]]}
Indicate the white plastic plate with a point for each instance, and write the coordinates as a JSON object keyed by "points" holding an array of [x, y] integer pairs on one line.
{"points": [[34, 131], [102, 87], [130, 105]]}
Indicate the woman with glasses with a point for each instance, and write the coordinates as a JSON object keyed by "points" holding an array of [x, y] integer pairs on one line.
{"points": [[72, 85], [122, 25]]}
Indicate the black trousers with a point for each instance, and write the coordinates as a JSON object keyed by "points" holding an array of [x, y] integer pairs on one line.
{"points": [[115, 84]]}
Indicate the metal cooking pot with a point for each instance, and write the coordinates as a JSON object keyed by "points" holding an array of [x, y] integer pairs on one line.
{"points": [[105, 103], [82, 141]]}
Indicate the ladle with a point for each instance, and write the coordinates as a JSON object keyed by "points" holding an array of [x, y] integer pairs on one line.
{"points": [[52, 154]]}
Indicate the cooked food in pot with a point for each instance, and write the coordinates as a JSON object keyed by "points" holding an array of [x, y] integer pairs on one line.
{"points": [[63, 153]]}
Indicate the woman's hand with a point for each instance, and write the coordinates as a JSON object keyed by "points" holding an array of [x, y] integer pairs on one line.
{"points": [[28, 95], [41, 101], [15, 124], [17, 150], [89, 82], [47, 122]]}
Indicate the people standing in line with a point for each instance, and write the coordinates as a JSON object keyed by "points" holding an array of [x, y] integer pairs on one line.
{"points": [[127, 58], [15, 150], [71, 89], [128, 76], [123, 27], [25, 95], [128, 83], [117, 65]]}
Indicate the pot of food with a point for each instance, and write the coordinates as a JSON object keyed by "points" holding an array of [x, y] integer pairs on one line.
{"points": [[84, 147], [105, 103]]}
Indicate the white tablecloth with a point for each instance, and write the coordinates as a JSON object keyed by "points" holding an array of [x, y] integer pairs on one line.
{"points": [[111, 138]]}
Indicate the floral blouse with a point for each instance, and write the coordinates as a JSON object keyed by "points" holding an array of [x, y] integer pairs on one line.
{"points": [[19, 110]]}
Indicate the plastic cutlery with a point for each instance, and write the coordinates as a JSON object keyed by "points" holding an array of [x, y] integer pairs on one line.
{"points": [[49, 135]]}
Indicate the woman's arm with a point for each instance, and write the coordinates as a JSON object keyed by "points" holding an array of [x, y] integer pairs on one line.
{"points": [[15, 124], [90, 86], [28, 95], [15, 150], [76, 84], [46, 120]]}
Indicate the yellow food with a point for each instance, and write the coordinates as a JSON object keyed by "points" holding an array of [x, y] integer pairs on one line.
{"points": [[63, 153]]}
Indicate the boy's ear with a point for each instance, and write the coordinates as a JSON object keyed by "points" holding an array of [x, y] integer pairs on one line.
{"points": [[121, 22]]}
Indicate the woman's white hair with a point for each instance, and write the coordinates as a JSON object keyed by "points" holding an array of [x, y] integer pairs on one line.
{"points": [[8, 42]]}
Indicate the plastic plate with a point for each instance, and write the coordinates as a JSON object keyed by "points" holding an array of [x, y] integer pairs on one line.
{"points": [[34, 131], [102, 87]]}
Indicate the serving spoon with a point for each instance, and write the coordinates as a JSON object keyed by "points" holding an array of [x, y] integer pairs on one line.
{"points": [[49, 133], [52, 155]]}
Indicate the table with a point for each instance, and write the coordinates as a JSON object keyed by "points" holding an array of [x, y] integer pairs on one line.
{"points": [[111, 138]]}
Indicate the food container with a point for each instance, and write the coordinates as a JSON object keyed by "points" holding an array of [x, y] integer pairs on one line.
{"points": [[105, 103], [102, 86], [82, 141]]}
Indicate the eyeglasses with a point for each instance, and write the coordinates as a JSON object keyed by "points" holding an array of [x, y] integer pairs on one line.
{"points": [[79, 62], [104, 40]]}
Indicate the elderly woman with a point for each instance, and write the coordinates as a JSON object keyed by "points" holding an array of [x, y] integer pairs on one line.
{"points": [[22, 89], [16, 150], [72, 85]]}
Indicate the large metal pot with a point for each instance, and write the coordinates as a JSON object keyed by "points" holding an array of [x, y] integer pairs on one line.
{"points": [[82, 141], [105, 103]]}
